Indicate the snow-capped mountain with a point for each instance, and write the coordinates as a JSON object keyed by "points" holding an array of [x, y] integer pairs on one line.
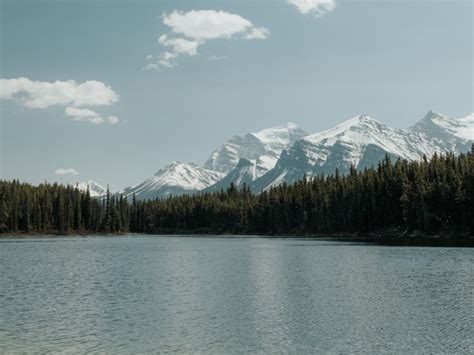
{"points": [[286, 153], [245, 159], [174, 179], [259, 151], [95, 189], [362, 142], [262, 148], [446, 133], [244, 173]]}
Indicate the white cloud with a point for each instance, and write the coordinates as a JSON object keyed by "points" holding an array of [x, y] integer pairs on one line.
{"points": [[164, 60], [179, 45], [189, 30], [257, 33], [316, 7], [41, 95], [86, 115], [151, 66], [69, 171], [95, 93], [167, 59], [83, 115], [113, 119], [206, 24]]}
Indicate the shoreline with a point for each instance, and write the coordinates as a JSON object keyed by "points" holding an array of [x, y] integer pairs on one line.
{"points": [[376, 239]]}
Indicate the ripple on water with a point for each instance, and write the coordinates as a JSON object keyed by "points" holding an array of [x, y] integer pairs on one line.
{"points": [[178, 294]]}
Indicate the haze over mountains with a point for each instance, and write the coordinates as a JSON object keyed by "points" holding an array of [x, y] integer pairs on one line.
{"points": [[286, 153]]}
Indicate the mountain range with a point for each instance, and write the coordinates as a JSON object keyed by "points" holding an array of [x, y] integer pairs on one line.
{"points": [[287, 153]]}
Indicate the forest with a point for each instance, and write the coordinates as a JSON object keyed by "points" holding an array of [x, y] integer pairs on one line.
{"points": [[429, 197]]}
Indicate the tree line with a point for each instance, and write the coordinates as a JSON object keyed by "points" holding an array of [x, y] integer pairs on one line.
{"points": [[55, 208], [430, 196]]}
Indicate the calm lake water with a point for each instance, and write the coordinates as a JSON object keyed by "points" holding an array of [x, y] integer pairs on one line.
{"points": [[232, 295]]}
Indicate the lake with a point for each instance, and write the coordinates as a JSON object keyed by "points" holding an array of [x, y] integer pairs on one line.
{"points": [[232, 295]]}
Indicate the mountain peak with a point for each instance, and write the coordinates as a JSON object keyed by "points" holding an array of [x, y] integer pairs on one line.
{"points": [[366, 118], [357, 121], [445, 128], [291, 125], [287, 127], [95, 189], [277, 138], [176, 165], [263, 146], [174, 179], [360, 123], [287, 153], [433, 114]]}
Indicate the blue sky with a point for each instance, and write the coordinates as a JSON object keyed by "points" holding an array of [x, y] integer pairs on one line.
{"points": [[392, 60]]}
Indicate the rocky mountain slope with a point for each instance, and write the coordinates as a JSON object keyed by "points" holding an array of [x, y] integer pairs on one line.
{"points": [[263, 148], [245, 159]]}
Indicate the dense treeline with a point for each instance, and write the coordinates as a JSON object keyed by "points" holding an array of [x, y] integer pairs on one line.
{"points": [[430, 196], [59, 209]]}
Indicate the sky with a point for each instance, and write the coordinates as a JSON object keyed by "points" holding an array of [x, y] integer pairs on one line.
{"points": [[113, 90]]}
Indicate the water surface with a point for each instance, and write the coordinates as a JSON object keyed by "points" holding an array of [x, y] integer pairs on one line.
{"points": [[232, 295]]}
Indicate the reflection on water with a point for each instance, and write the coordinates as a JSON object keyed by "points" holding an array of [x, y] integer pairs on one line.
{"points": [[145, 294]]}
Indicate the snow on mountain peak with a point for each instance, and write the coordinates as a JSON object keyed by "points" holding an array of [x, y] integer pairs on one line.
{"points": [[442, 127], [286, 153], [466, 129], [432, 113], [362, 142], [188, 176], [176, 166], [275, 139], [173, 179], [264, 147], [351, 140], [95, 189], [358, 128], [291, 125], [460, 127]]}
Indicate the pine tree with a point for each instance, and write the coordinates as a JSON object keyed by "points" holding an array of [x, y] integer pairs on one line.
{"points": [[3, 214], [106, 224]]}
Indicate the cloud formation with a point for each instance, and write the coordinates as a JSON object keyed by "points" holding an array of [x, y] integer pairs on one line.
{"points": [[314, 7], [41, 95], [257, 33], [86, 115], [189, 30], [69, 171]]}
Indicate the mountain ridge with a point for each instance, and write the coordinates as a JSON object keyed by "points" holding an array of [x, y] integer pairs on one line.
{"points": [[265, 145], [362, 141], [174, 179], [286, 153]]}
